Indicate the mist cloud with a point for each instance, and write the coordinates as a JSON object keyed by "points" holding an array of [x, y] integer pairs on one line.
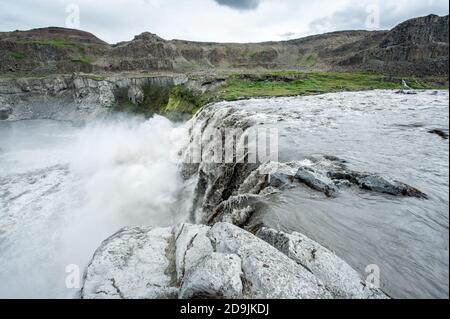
{"points": [[240, 4]]}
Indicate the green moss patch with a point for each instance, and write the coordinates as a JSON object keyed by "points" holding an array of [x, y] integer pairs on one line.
{"points": [[155, 100], [84, 60], [308, 60], [314, 83], [18, 56]]}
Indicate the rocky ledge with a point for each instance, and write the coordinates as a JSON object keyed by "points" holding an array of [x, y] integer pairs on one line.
{"points": [[222, 261], [83, 97]]}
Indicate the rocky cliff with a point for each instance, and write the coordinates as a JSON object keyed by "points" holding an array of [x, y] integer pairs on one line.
{"points": [[80, 98], [418, 46]]}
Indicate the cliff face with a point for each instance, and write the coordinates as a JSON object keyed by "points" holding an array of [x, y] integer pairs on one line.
{"points": [[72, 97], [418, 46], [49, 51], [420, 31]]}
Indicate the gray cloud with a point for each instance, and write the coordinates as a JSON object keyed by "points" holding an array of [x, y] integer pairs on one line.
{"points": [[206, 20], [357, 15], [289, 35], [240, 4], [350, 19]]}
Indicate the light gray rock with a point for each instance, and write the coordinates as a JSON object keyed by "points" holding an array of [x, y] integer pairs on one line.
{"points": [[77, 98], [223, 261], [131, 264], [215, 276], [268, 273], [135, 95], [341, 279], [192, 245]]}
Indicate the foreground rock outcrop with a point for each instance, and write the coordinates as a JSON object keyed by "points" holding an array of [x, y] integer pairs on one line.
{"points": [[337, 276], [222, 261]]}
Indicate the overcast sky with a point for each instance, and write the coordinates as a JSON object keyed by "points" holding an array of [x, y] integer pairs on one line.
{"points": [[213, 20]]}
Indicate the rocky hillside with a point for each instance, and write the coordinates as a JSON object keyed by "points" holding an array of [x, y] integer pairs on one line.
{"points": [[415, 47]]}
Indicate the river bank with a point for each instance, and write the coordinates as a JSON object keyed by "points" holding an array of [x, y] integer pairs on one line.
{"points": [[78, 97]]}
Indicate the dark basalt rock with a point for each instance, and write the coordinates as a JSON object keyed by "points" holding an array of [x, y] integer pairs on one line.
{"points": [[327, 177], [280, 180], [5, 112], [375, 183], [439, 132], [317, 181]]}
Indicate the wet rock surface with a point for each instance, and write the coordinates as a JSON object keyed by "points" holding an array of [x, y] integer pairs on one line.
{"points": [[326, 176], [223, 261], [440, 133], [316, 180], [5, 112], [233, 192]]}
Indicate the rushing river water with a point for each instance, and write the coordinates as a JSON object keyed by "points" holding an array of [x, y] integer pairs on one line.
{"points": [[64, 189], [378, 132]]}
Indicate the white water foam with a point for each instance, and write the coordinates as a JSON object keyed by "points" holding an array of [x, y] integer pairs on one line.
{"points": [[55, 211]]}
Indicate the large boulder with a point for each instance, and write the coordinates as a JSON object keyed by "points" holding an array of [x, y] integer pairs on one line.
{"points": [[339, 278], [132, 264], [328, 174], [5, 112], [267, 273]]}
